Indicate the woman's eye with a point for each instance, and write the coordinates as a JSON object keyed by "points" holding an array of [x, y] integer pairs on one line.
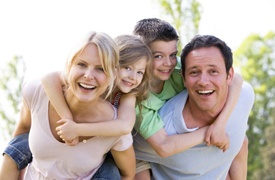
{"points": [[81, 64], [100, 69]]}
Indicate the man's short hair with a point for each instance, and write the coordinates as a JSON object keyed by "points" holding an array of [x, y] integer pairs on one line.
{"points": [[201, 41]]}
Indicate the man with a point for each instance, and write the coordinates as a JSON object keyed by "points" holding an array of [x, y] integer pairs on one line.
{"points": [[207, 74]]}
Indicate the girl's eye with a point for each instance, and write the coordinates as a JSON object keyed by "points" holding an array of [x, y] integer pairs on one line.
{"points": [[140, 73], [128, 68]]}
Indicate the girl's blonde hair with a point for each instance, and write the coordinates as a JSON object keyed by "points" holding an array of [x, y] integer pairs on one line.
{"points": [[108, 54], [132, 49]]}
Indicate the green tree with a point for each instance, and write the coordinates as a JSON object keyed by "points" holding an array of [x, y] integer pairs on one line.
{"points": [[11, 80], [256, 58], [185, 15]]}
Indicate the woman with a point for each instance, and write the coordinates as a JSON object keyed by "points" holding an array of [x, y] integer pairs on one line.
{"points": [[90, 76]]}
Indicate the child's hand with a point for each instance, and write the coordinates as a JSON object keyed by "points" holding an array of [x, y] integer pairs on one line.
{"points": [[67, 132], [217, 136]]}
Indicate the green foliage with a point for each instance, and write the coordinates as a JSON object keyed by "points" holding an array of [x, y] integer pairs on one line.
{"points": [[256, 57], [11, 80], [185, 15]]}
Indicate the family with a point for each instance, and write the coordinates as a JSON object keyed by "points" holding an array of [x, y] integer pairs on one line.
{"points": [[131, 108]]}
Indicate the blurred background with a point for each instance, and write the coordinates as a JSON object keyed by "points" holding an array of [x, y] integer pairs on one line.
{"points": [[37, 35]]}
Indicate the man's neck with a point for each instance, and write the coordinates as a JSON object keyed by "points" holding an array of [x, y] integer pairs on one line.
{"points": [[195, 117]]}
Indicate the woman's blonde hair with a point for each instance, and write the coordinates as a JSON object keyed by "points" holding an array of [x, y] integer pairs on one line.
{"points": [[132, 49], [108, 54]]}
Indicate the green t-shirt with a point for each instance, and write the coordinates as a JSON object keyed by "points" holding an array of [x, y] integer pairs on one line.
{"points": [[151, 121]]}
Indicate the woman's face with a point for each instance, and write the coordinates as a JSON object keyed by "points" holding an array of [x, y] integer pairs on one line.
{"points": [[86, 78], [131, 76]]}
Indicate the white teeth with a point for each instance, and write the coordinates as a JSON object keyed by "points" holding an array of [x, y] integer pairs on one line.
{"points": [[86, 86], [165, 71], [206, 91], [130, 84]]}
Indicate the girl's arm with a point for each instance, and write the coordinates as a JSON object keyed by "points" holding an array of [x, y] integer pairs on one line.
{"points": [[126, 163], [216, 134], [122, 125], [53, 84]]}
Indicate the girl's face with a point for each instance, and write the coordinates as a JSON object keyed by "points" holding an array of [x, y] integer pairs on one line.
{"points": [[131, 76], [165, 58], [86, 78]]}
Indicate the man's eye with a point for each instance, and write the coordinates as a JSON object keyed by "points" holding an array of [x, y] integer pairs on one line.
{"points": [[214, 72], [193, 73]]}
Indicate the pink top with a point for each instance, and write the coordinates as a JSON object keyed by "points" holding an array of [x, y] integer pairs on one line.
{"points": [[55, 160]]}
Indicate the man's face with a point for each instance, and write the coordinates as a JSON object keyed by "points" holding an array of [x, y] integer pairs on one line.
{"points": [[206, 79], [165, 58]]}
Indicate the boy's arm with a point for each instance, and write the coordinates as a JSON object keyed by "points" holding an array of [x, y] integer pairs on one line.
{"points": [[126, 163], [166, 145], [216, 134], [53, 84], [122, 125]]}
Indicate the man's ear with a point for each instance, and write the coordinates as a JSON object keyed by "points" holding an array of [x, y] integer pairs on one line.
{"points": [[230, 75], [183, 79]]}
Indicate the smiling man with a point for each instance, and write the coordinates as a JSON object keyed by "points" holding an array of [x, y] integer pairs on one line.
{"points": [[207, 74]]}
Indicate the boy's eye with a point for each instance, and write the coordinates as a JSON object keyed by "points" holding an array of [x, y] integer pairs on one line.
{"points": [[173, 55], [158, 56]]}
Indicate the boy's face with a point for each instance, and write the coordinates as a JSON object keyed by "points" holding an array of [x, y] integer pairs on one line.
{"points": [[165, 58]]}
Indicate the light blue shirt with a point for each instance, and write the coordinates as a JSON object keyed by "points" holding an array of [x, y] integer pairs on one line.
{"points": [[202, 161]]}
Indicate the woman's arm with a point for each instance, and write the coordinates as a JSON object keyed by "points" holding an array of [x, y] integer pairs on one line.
{"points": [[121, 126], [216, 134], [126, 163], [24, 123], [9, 167]]}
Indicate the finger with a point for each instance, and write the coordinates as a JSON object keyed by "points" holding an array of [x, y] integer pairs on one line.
{"points": [[61, 121]]}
